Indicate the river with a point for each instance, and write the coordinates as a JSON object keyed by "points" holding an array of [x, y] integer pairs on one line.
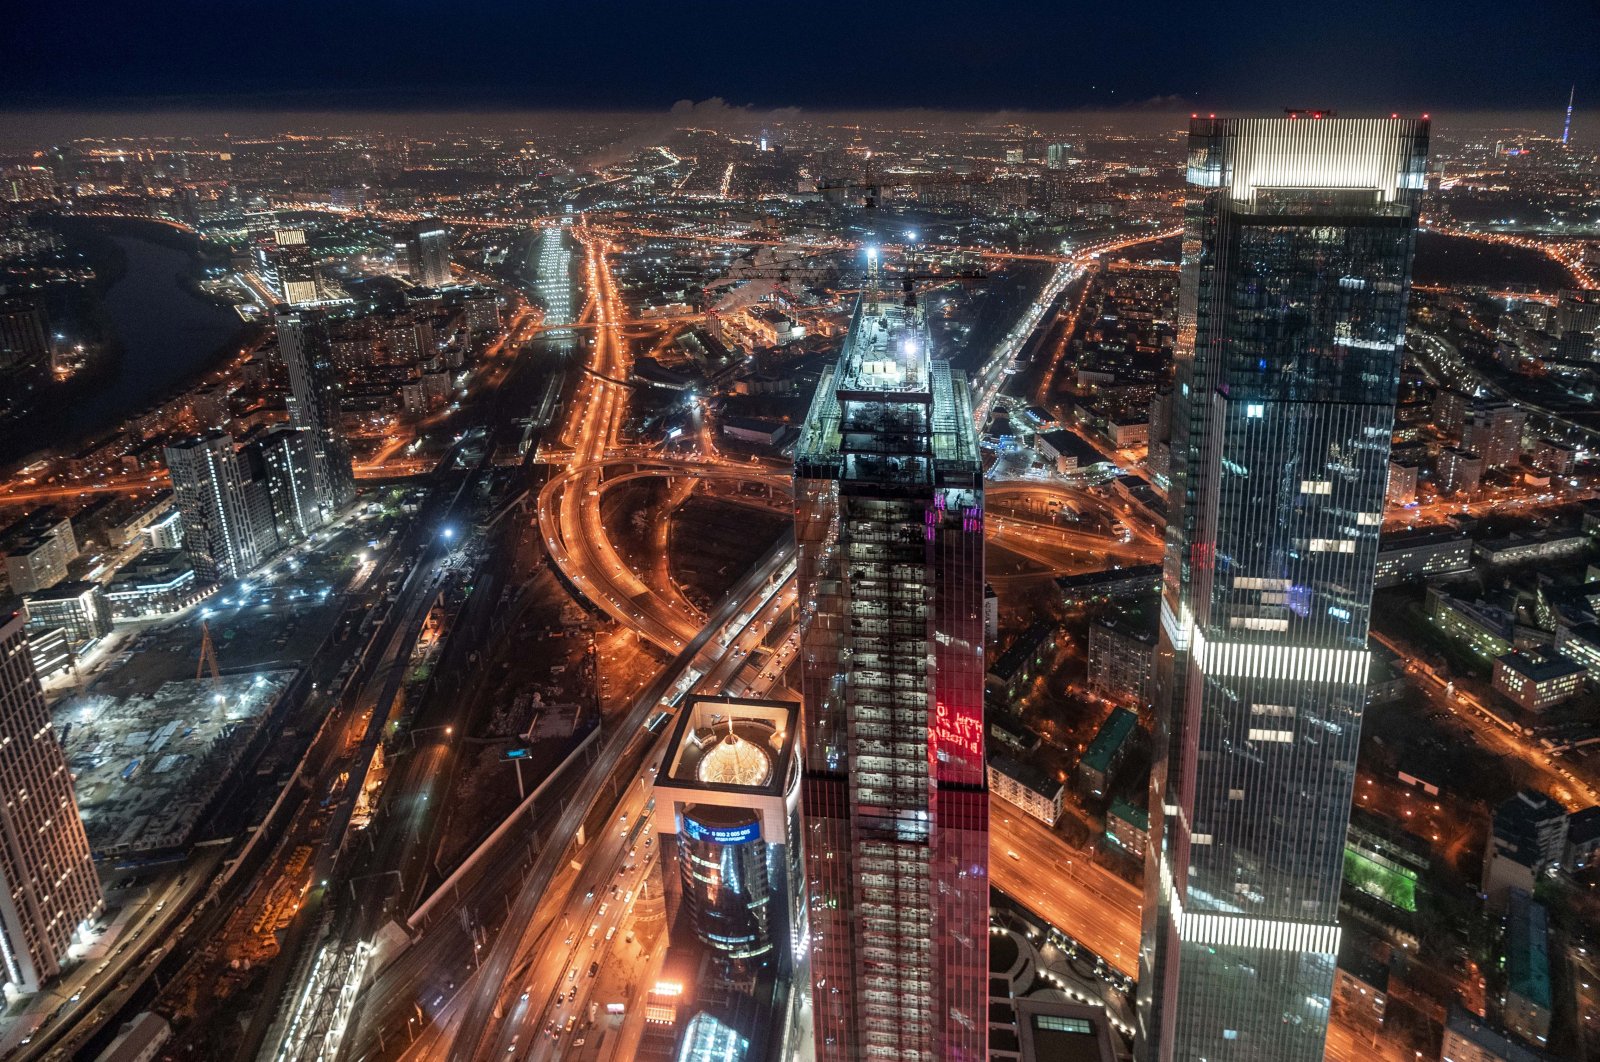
{"points": [[167, 333]]}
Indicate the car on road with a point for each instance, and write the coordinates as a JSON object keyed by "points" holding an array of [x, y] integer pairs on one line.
{"points": [[594, 968]]}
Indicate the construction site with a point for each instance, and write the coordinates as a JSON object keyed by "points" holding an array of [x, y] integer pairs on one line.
{"points": [[149, 764]]}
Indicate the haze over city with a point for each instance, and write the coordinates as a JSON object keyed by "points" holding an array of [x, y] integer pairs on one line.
{"points": [[730, 534]]}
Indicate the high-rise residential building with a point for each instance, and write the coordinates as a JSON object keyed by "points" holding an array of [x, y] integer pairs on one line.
{"points": [[280, 460], [38, 549], [315, 405], [24, 333], [296, 267], [48, 887], [889, 524], [1495, 430], [210, 488], [428, 254], [1297, 256]]}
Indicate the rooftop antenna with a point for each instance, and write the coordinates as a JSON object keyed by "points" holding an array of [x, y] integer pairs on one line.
{"points": [[1566, 128]]}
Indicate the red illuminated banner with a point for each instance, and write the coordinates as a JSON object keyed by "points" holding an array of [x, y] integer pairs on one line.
{"points": [[960, 732]]}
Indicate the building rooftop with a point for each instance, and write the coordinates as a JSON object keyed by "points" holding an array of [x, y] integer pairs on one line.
{"points": [[1527, 949], [1113, 733], [1026, 774], [1129, 813], [1540, 667], [1023, 650]]}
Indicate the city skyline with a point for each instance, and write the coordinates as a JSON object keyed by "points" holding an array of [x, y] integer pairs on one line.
{"points": [[770, 584]]}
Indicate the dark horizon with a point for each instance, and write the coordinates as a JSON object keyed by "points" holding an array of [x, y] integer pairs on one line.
{"points": [[641, 57]]}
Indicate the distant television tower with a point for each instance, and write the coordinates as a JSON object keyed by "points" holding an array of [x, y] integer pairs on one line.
{"points": [[1566, 128]]}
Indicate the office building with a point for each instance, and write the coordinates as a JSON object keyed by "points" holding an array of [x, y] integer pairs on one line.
{"points": [[50, 649], [315, 406], [79, 607], [727, 803], [1536, 681], [38, 549], [154, 583], [428, 254], [1300, 231], [889, 525], [47, 880], [209, 487]]}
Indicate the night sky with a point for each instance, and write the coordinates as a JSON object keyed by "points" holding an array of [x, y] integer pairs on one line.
{"points": [[974, 55]]}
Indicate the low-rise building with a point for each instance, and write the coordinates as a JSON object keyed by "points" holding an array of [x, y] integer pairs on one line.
{"points": [[77, 606], [1469, 1039], [1106, 752], [1526, 1009], [1581, 644], [154, 583], [1028, 787], [1068, 451], [140, 1040], [1408, 556], [1522, 549], [1535, 681], [1487, 630], [1129, 826], [1025, 660]]}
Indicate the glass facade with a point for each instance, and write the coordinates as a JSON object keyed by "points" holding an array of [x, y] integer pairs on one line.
{"points": [[307, 353], [1296, 266], [889, 524], [727, 887]]}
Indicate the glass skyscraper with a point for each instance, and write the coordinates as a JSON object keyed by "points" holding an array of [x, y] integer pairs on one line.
{"points": [[1297, 255], [889, 525], [315, 406]]}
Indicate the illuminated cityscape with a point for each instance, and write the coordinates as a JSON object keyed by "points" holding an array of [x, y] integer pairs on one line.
{"points": [[971, 541]]}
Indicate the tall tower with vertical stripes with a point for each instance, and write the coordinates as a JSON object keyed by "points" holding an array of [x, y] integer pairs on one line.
{"points": [[1297, 253], [889, 524]]}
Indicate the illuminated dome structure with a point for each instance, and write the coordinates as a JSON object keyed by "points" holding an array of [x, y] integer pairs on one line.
{"points": [[735, 761]]}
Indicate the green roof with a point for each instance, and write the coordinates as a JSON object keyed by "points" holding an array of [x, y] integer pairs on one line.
{"points": [[1527, 950], [1139, 817], [1114, 733]]}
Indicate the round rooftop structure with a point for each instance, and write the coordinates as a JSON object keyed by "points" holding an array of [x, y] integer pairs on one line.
{"points": [[735, 761]]}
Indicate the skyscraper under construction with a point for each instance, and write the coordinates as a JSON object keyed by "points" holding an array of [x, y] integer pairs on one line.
{"points": [[889, 523]]}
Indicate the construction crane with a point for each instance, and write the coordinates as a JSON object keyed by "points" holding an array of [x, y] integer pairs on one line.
{"points": [[208, 656]]}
